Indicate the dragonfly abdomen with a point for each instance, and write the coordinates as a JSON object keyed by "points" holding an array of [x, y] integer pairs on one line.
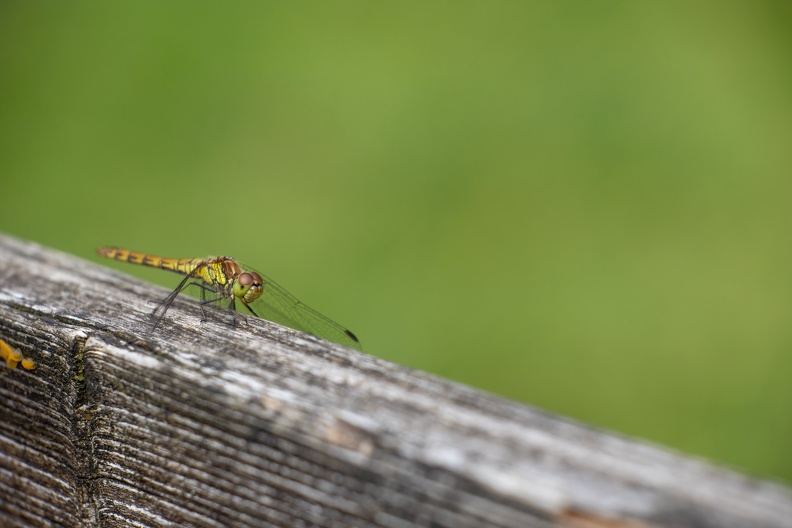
{"points": [[183, 266]]}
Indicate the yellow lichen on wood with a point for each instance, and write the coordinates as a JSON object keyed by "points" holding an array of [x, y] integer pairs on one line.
{"points": [[16, 355], [5, 350], [13, 357], [28, 364]]}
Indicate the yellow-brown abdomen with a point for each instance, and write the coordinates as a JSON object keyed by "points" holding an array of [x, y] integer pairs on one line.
{"points": [[183, 266]]}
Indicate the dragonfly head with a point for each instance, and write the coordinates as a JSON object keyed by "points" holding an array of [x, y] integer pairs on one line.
{"points": [[248, 287]]}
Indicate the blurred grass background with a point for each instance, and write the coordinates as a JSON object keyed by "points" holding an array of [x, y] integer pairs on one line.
{"points": [[584, 206]]}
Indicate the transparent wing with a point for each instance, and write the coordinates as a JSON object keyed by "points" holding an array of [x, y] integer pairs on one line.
{"points": [[279, 306]]}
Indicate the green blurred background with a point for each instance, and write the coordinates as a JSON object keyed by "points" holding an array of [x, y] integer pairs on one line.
{"points": [[584, 206]]}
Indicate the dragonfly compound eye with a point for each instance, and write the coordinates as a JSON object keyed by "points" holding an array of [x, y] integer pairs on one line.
{"points": [[243, 284], [254, 290], [248, 287]]}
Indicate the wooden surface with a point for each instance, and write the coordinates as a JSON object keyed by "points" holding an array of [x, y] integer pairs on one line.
{"points": [[202, 424]]}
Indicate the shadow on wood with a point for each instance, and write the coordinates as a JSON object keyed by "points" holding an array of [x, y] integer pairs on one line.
{"points": [[203, 424]]}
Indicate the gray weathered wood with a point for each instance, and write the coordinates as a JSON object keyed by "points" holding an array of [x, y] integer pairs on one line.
{"points": [[202, 424]]}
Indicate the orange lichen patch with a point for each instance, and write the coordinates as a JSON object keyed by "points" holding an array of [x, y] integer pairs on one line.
{"points": [[9, 353], [13, 357]]}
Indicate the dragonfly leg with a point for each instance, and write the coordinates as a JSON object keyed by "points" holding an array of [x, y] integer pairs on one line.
{"points": [[205, 290], [232, 308], [204, 302], [210, 294], [250, 309], [164, 305], [246, 305], [234, 313]]}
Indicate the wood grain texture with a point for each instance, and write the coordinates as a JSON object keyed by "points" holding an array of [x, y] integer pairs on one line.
{"points": [[203, 424]]}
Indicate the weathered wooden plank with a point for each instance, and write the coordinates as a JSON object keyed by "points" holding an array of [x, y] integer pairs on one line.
{"points": [[203, 424]]}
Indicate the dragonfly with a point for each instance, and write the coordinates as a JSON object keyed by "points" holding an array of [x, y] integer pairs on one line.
{"points": [[225, 279]]}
